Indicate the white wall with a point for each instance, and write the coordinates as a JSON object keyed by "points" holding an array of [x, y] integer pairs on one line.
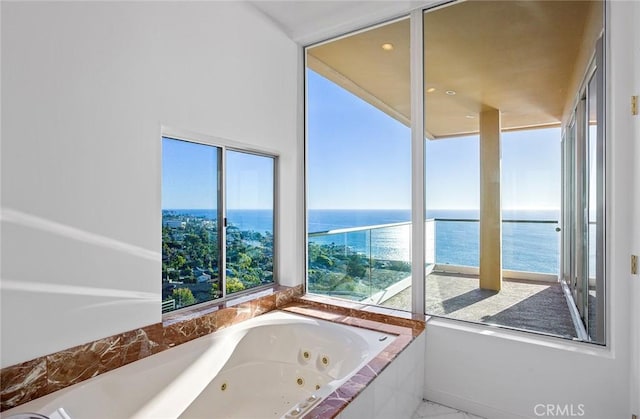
{"points": [[396, 392], [86, 87], [505, 374], [634, 295]]}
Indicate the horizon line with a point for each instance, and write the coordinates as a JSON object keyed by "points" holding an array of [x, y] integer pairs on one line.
{"points": [[215, 209], [433, 209], [371, 209]]}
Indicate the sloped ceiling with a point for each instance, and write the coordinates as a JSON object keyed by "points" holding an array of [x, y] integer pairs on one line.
{"points": [[309, 21], [515, 56]]}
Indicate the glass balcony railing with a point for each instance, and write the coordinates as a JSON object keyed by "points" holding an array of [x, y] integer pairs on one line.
{"points": [[359, 263], [527, 245], [372, 263]]}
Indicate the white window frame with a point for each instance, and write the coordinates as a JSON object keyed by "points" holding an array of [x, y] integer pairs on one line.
{"points": [[418, 188], [228, 145]]}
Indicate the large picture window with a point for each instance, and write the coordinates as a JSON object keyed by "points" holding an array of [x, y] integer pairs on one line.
{"points": [[217, 222], [508, 219], [359, 165]]}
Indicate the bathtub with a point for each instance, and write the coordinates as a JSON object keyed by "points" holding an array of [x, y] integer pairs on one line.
{"points": [[277, 365]]}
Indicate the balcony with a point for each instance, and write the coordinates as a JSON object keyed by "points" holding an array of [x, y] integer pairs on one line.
{"points": [[369, 264], [372, 265]]}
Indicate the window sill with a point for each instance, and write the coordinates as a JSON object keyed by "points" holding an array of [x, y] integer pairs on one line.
{"points": [[252, 303], [531, 338]]}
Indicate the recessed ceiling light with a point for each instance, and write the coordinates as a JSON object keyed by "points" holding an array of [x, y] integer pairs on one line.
{"points": [[431, 90], [450, 92], [469, 116], [387, 47]]}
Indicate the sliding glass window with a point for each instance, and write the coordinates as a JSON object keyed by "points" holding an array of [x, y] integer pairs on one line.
{"points": [[250, 217], [194, 217]]}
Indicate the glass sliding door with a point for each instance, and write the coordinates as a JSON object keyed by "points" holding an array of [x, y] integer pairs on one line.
{"points": [[531, 185], [584, 202], [595, 158], [568, 203], [575, 226]]}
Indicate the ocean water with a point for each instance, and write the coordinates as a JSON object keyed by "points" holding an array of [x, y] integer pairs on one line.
{"points": [[532, 247], [256, 220]]}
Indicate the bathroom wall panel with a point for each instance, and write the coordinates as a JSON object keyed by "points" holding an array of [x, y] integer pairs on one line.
{"points": [[397, 391], [86, 89]]}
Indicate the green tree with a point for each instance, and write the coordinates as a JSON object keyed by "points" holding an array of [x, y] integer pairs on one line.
{"points": [[215, 291], [244, 261], [178, 262], [234, 285], [355, 267], [184, 297], [188, 275], [324, 261]]}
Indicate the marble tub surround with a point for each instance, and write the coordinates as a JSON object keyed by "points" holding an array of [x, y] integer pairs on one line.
{"points": [[36, 378], [23, 382], [258, 302], [41, 376], [363, 311], [188, 324], [406, 328]]}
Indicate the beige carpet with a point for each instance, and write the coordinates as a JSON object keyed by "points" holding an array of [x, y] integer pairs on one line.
{"points": [[528, 305]]}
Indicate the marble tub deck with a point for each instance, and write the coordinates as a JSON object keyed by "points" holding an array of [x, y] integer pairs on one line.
{"points": [[405, 329], [36, 378]]}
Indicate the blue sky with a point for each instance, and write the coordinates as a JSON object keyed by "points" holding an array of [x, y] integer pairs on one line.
{"points": [[357, 156], [249, 181], [360, 158], [189, 177], [189, 173]]}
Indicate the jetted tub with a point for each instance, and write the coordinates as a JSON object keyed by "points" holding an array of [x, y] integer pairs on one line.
{"points": [[277, 365]]}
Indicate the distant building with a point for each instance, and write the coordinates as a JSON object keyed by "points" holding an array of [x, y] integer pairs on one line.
{"points": [[174, 223], [204, 278]]}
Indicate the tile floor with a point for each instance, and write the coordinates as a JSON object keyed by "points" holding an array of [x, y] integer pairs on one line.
{"points": [[428, 410]]}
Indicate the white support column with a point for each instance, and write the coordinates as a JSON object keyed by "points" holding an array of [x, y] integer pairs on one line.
{"points": [[417, 164], [490, 201]]}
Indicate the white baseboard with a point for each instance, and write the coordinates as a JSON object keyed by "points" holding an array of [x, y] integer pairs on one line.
{"points": [[470, 406]]}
